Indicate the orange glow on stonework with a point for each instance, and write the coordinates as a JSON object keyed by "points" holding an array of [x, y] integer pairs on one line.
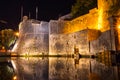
{"points": [[100, 17]]}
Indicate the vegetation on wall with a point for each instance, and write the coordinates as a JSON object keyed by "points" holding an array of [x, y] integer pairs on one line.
{"points": [[82, 7]]}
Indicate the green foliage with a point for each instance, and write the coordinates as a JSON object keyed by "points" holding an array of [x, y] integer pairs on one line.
{"points": [[82, 6], [7, 38]]}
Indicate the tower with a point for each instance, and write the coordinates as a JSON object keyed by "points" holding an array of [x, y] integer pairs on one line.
{"points": [[104, 7]]}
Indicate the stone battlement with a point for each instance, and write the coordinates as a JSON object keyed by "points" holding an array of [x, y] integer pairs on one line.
{"points": [[90, 33]]}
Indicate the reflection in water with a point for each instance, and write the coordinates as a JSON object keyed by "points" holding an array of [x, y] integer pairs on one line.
{"points": [[6, 70], [32, 68], [59, 68]]}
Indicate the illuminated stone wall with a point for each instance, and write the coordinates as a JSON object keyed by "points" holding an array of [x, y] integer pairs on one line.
{"points": [[64, 43], [104, 11], [87, 40], [63, 33], [103, 43], [95, 19], [83, 22], [61, 43], [34, 38], [90, 33]]}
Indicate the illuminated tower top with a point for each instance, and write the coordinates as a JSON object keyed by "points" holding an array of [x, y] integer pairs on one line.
{"points": [[106, 4], [104, 12]]}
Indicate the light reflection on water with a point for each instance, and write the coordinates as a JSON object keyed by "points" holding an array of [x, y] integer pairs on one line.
{"points": [[61, 68], [35, 68]]}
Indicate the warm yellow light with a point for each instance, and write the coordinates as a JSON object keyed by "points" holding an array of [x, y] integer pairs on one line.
{"points": [[15, 78], [17, 33], [118, 26], [3, 47], [100, 19]]}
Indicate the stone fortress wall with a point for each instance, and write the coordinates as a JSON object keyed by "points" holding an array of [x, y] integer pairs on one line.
{"points": [[87, 41], [90, 33], [34, 38]]}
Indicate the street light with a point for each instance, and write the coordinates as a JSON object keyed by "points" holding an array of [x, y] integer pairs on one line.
{"points": [[15, 77], [118, 26], [17, 34]]}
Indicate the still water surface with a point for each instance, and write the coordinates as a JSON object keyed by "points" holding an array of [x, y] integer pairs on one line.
{"points": [[54, 68]]}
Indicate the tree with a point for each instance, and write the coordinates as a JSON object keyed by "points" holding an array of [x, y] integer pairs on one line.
{"points": [[7, 38], [82, 6]]}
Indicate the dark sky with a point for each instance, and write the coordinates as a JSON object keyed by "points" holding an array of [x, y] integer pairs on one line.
{"points": [[10, 10]]}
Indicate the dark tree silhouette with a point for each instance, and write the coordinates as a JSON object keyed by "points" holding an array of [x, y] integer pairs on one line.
{"points": [[82, 7]]}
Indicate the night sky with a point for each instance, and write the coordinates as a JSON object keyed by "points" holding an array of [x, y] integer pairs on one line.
{"points": [[10, 10]]}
